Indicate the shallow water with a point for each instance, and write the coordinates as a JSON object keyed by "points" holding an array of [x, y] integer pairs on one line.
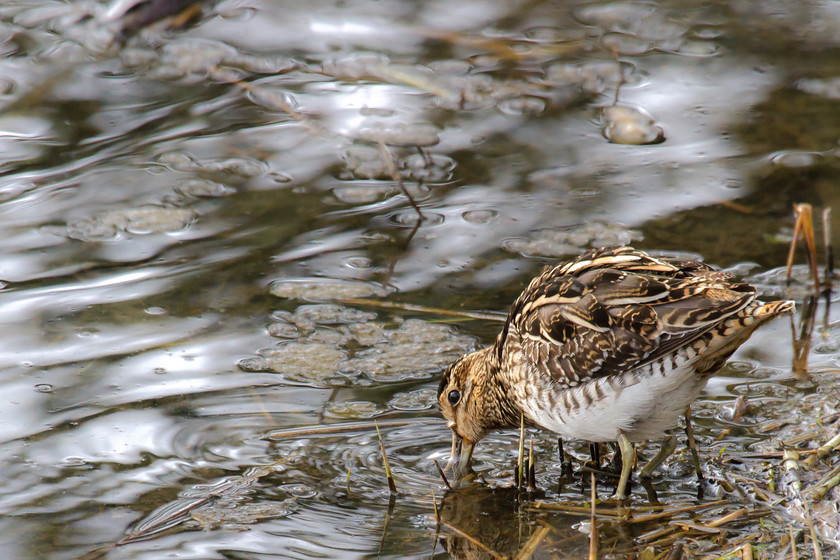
{"points": [[200, 229]]}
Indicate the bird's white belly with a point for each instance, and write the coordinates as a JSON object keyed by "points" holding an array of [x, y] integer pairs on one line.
{"points": [[646, 406]]}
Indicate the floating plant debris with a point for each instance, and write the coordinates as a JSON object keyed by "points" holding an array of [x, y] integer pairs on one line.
{"points": [[325, 289], [572, 240], [143, 220], [336, 352]]}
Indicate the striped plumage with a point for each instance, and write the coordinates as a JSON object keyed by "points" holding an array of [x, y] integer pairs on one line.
{"points": [[611, 346]]}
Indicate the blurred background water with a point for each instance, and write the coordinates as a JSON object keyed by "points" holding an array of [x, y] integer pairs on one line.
{"points": [[200, 227]]}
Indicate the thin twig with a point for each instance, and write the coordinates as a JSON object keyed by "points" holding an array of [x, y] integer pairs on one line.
{"points": [[442, 475], [392, 170], [282, 103]]}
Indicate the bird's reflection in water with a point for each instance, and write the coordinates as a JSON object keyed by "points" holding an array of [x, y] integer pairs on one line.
{"points": [[481, 522]]}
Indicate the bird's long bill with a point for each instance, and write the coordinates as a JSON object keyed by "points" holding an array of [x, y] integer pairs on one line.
{"points": [[459, 459]]}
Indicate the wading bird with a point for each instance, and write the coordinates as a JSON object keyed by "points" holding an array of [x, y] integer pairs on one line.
{"points": [[611, 346]]}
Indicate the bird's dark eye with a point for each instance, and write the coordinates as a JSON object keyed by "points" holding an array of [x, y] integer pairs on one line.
{"points": [[454, 396]]}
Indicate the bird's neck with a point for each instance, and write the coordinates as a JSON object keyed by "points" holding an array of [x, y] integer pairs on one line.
{"points": [[499, 410]]}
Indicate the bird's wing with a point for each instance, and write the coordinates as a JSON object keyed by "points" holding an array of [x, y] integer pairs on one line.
{"points": [[615, 309]]}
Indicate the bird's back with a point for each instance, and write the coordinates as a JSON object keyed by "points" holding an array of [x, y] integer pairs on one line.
{"points": [[609, 336]]}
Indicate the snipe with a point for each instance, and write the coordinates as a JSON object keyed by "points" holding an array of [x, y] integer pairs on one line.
{"points": [[611, 346]]}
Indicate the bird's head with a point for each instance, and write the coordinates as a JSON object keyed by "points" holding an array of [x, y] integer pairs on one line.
{"points": [[465, 402]]}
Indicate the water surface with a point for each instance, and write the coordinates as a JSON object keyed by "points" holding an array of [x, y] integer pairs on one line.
{"points": [[190, 220]]}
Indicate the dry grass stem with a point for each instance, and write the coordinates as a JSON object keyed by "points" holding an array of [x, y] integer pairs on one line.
{"points": [[826, 483], [473, 540], [804, 227], [657, 533], [391, 485], [737, 514], [342, 428], [521, 457], [532, 471], [794, 555], [593, 520], [824, 450], [483, 316], [747, 552], [674, 511], [815, 540], [692, 444], [442, 475], [828, 248], [532, 543]]}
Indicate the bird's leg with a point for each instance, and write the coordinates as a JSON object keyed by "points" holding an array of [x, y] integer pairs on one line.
{"points": [[595, 454], [669, 444], [628, 459]]}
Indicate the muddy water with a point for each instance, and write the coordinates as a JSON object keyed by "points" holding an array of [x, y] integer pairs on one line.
{"points": [[200, 228]]}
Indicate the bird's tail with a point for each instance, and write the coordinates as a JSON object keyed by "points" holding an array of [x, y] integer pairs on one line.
{"points": [[767, 311]]}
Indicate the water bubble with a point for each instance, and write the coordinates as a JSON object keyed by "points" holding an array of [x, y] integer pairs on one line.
{"points": [[44, 388], [362, 193], [479, 216], [523, 105], [421, 399], [630, 125], [360, 263], [408, 218], [204, 188], [356, 410], [155, 310], [795, 159], [400, 134], [280, 178]]}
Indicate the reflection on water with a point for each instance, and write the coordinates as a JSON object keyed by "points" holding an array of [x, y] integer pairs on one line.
{"points": [[208, 243]]}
